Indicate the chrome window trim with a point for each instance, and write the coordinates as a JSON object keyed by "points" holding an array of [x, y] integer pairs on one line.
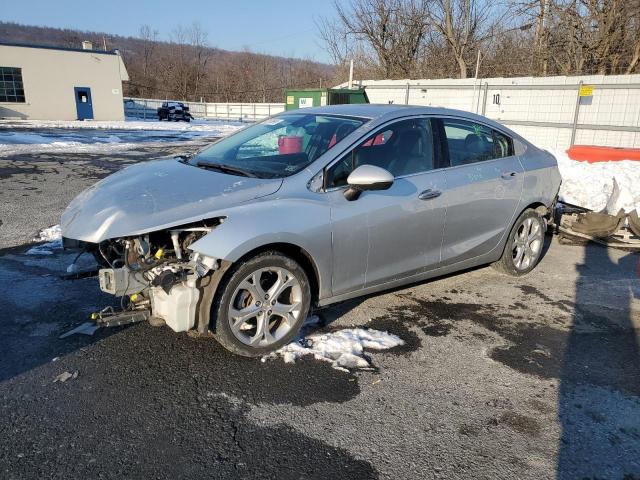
{"points": [[380, 128]]}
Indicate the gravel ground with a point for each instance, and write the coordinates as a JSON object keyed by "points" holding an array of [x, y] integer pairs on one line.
{"points": [[536, 377]]}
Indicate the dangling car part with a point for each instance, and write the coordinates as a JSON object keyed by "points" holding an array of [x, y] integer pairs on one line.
{"points": [[578, 225], [309, 208]]}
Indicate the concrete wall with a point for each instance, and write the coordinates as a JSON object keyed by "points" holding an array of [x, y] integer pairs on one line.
{"points": [[49, 78], [545, 110]]}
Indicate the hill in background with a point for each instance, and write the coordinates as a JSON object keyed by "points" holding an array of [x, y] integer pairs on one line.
{"points": [[186, 68]]}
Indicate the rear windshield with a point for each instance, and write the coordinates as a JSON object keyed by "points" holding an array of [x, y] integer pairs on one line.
{"points": [[277, 147]]}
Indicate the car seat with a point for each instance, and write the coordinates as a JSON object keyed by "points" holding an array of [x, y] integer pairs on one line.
{"points": [[414, 153], [476, 149]]}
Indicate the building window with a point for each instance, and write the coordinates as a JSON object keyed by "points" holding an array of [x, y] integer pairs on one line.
{"points": [[11, 87]]}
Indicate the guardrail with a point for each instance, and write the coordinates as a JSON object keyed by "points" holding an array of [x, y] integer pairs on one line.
{"points": [[244, 112]]}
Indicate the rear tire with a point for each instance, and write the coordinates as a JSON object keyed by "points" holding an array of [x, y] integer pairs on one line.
{"points": [[261, 304], [523, 249]]}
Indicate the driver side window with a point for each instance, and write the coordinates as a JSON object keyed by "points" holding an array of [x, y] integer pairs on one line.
{"points": [[402, 148]]}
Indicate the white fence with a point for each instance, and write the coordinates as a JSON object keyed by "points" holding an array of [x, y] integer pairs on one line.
{"points": [[548, 111], [244, 112]]}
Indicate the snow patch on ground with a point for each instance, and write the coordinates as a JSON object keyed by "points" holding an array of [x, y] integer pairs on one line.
{"points": [[344, 349], [53, 238], [48, 248], [222, 127], [590, 185], [50, 233], [58, 147], [44, 136]]}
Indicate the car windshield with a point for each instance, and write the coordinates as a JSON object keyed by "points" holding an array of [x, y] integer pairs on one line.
{"points": [[277, 147]]}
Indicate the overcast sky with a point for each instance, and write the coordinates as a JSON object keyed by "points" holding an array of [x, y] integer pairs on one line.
{"points": [[280, 27]]}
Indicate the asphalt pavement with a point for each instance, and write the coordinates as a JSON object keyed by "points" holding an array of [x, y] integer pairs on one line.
{"points": [[499, 378]]}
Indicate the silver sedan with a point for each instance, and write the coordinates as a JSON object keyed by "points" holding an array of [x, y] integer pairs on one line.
{"points": [[312, 207]]}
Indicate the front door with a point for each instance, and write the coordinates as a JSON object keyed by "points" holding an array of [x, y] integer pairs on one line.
{"points": [[84, 105], [391, 234], [484, 186]]}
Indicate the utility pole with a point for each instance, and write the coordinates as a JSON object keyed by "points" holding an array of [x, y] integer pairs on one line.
{"points": [[475, 81], [351, 74]]}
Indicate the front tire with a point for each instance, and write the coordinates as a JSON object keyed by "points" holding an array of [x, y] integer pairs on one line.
{"points": [[524, 245], [261, 305]]}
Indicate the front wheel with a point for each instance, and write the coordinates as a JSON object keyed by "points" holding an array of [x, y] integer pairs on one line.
{"points": [[262, 304], [524, 245]]}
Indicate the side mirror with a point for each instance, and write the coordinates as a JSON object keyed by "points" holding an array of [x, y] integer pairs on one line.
{"points": [[367, 177]]}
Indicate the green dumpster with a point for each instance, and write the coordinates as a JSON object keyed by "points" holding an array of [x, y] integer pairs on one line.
{"points": [[318, 97]]}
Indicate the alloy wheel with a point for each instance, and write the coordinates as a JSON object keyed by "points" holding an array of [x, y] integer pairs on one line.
{"points": [[527, 243], [265, 306]]}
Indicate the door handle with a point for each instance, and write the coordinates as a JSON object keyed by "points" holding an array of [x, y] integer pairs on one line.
{"points": [[429, 194], [508, 175]]}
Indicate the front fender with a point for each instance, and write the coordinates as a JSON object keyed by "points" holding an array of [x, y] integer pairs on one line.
{"points": [[302, 222]]}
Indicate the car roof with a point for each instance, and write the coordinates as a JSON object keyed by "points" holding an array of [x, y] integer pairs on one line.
{"points": [[364, 110], [384, 112], [373, 110]]}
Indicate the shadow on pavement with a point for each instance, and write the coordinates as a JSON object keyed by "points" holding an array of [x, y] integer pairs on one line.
{"points": [[146, 402], [37, 307], [600, 372]]}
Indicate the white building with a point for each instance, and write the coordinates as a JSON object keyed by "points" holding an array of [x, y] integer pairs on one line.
{"points": [[52, 83]]}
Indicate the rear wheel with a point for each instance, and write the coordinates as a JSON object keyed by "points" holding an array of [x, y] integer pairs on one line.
{"points": [[524, 245], [262, 304]]}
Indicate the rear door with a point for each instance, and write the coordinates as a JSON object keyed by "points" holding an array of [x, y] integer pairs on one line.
{"points": [[391, 234], [484, 186]]}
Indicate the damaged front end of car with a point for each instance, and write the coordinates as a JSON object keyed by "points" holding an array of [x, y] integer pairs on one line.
{"points": [[140, 224], [156, 274]]}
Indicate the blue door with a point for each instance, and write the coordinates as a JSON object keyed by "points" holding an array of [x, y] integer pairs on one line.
{"points": [[84, 107]]}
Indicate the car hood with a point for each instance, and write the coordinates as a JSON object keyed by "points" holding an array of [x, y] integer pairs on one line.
{"points": [[155, 195]]}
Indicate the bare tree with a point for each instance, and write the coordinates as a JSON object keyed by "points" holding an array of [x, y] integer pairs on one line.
{"points": [[462, 24], [149, 40], [595, 36], [536, 12], [391, 30], [198, 41]]}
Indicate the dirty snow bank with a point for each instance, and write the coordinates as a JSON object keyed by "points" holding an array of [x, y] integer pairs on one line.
{"points": [[344, 349], [590, 185]]}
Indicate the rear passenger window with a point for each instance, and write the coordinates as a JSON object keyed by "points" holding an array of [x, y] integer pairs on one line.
{"points": [[470, 142]]}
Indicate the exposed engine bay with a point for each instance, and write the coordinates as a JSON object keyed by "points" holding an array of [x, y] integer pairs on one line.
{"points": [[155, 272]]}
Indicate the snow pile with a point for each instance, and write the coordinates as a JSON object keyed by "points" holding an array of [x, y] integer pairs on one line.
{"points": [[53, 238], [344, 349], [591, 185]]}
